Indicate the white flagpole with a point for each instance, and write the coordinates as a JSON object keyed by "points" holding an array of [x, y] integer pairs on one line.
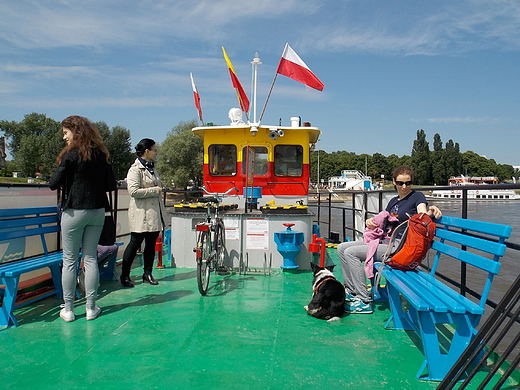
{"points": [[255, 63]]}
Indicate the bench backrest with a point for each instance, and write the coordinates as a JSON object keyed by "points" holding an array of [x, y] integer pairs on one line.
{"points": [[485, 252], [29, 221]]}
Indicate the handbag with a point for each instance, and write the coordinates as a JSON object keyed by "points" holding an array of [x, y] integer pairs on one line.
{"points": [[108, 234]]}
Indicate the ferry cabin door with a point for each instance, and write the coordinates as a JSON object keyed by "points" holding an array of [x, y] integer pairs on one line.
{"points": [[250, 159]]}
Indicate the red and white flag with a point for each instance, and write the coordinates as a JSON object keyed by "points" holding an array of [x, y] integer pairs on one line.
{"points": [[292, 66], [196, 98]]}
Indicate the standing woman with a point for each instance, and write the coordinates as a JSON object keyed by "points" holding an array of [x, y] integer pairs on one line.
{"points": [[146, 212], [85, 175]]}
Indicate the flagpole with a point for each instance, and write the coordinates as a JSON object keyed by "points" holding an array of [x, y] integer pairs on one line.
{"points": [[255, 63], [268, 96]]}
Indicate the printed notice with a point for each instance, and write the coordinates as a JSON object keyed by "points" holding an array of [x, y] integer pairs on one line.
{"points": [[232, 229], [257, 233]]}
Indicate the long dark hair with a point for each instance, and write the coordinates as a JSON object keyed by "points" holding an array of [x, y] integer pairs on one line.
{"points": [[145, 143], [85, 138]]}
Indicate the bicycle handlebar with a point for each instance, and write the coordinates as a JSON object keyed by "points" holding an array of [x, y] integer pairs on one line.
{"points": [[216, 193]]}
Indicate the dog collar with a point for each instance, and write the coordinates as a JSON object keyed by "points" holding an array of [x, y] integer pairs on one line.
{"points": [[323, 281]]}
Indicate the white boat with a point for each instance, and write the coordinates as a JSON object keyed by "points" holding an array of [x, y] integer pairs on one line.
{"points": [[350, 180], [481, 193]]}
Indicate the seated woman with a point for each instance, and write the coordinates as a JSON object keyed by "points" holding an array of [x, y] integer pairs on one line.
{"points": [[352, 254]]}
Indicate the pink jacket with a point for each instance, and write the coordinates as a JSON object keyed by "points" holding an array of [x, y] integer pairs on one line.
{"points": [[371, 237]]}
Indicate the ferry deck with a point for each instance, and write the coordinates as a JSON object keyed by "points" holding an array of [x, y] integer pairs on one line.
{"points": [[250, 331]]}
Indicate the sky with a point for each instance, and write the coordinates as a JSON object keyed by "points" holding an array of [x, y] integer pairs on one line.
{"points": [[390, 67]]}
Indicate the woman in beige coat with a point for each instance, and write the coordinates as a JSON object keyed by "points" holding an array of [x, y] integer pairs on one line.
{"points": [[146, 212]]}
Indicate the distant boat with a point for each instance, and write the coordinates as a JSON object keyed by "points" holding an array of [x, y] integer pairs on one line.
{"points": [[350, 180], [482, 193]]}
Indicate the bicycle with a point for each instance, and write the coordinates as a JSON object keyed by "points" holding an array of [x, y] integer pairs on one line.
{"points": [[211, 241]]}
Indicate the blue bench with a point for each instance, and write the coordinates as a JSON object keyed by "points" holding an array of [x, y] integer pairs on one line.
{"points": [[20, 229], [444, 319]]}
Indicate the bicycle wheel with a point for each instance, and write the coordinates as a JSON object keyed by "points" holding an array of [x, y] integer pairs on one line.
{"points": [[221, 249], [203, 266]]}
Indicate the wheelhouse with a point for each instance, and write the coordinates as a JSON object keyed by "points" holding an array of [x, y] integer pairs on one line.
{"points": [[276, 159]]}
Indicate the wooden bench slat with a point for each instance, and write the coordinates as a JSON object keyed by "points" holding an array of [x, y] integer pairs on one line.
{"points": [[493, 229], [19, 267], [456, 302], [10, 235], [411, 295], [493, 248], [33, 221], [467, 257], [24, 212]]}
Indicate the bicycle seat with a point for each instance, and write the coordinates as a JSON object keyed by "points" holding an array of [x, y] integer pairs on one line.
{"points": [[208, 199]]}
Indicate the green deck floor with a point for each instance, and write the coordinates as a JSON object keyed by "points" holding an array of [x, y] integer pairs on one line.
{"points": [[250, 332]]}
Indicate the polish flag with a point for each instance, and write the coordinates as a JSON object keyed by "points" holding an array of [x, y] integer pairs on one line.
{"points": [[292, 66], [196, 97]]}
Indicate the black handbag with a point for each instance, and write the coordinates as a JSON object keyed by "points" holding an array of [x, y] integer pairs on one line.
{"points": [[108, 234]]}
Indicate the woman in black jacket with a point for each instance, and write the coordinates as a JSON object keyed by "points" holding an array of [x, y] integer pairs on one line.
{"points": [[85, 175]]}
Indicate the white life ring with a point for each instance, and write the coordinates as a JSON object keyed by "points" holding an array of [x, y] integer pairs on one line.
{"points": [[476, 192]]}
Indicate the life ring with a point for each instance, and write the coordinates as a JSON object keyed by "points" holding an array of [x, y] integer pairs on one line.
{"points": [[476, 192], [452, 191]]}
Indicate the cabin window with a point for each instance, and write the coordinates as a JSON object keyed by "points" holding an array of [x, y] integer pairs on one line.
{"points": [[222, 160], [288, 160], [257, 157]]}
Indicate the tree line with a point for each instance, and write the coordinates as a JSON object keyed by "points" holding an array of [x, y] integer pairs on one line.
{"points": [[431, 167], [35, 142]]}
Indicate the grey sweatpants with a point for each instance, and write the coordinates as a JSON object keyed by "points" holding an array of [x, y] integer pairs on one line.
{"points": [[80, 230], [352, 255]]}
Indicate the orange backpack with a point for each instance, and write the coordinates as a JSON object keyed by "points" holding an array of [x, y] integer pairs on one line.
{"points": [[409, 243]]}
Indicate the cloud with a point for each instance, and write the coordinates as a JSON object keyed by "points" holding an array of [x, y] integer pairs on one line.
{"points": [[440, 27], [478, 121]]}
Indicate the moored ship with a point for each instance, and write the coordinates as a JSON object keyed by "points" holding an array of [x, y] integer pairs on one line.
{"points": [[482, 192]]}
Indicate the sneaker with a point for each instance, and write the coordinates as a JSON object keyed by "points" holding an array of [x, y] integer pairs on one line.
{"points": [[92, 314], [349, 298], [359, 307], [67, 315]]}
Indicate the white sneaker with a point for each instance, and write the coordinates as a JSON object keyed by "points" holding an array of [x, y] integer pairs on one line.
{"points": [[67, 315], [92, 314]]}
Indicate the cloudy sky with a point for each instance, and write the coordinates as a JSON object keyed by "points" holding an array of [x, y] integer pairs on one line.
{"points": [[389, 67]]}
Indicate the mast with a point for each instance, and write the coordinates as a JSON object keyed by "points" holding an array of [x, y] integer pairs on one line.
{"points": [[255, 63]]}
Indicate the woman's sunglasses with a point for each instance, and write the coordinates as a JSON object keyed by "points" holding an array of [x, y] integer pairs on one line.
{"points": [[402, 183]]}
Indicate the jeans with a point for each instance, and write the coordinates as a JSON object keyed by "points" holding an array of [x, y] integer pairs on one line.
{"points": [[352, 255], [136, 239], [80, 231]]}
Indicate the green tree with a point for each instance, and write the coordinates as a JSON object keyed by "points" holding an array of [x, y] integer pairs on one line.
{"points": [[180, 161], [476, 165], [438, 161], [380, 167], [32, 143], [420, 162], [453, 160], [117, 141], [505, 172]]}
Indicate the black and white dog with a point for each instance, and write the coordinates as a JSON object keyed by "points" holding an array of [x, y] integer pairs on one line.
{"points": [[328, 300]]}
